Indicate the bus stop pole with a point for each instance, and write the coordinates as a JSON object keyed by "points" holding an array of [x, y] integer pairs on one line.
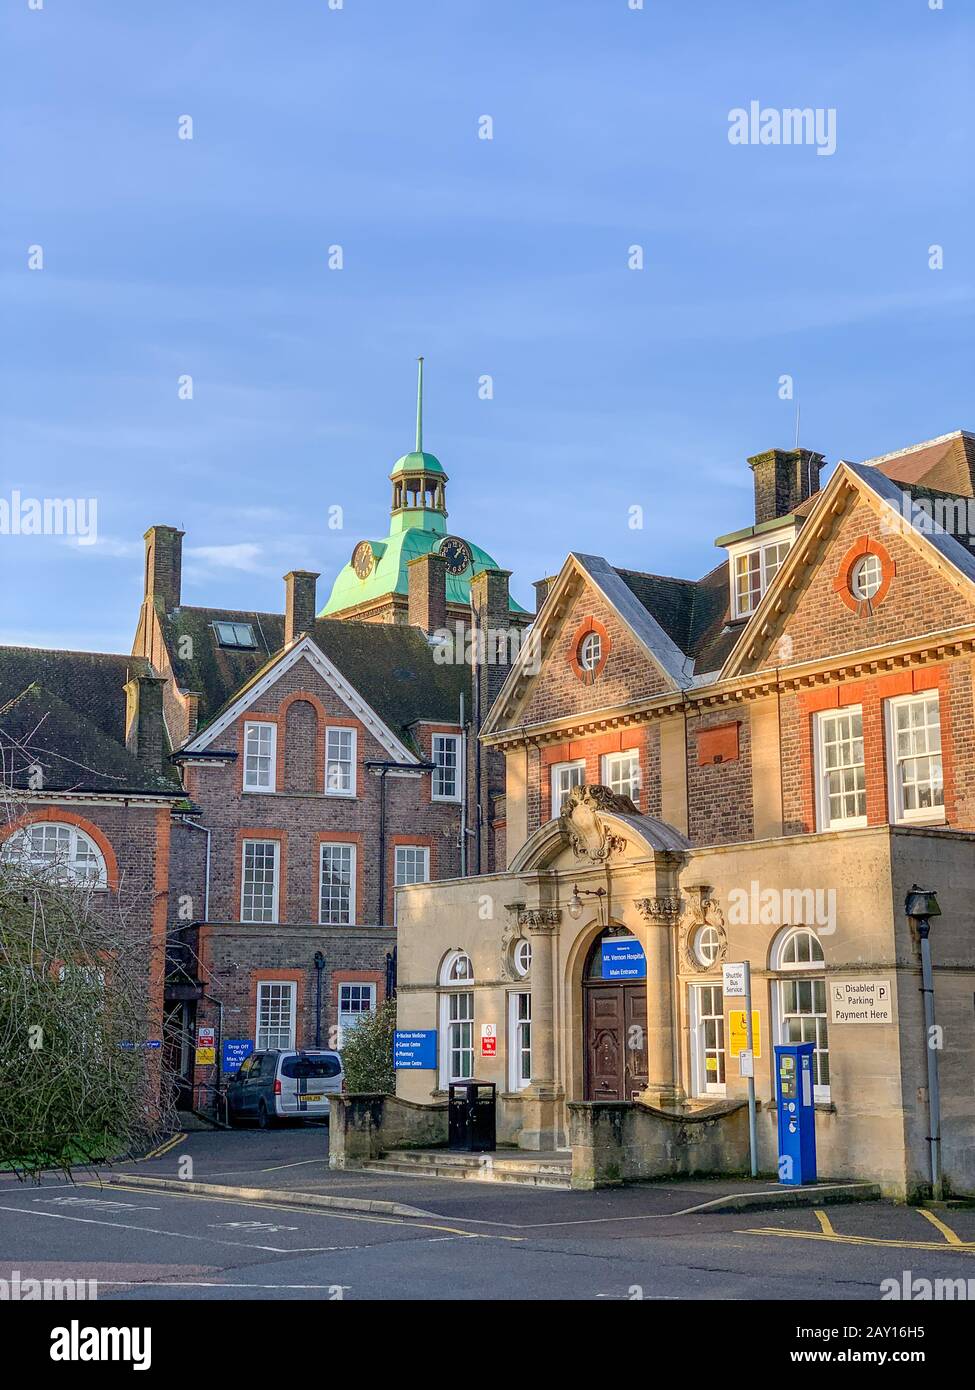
{"points": [[749, 1044]]}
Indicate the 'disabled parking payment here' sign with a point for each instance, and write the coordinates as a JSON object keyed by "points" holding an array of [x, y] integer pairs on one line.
{"points": [[415, 1049], [623, 959]]}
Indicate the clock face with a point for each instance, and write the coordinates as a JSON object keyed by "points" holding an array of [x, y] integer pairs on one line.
{"points": [[362, 559], [457, 553]]}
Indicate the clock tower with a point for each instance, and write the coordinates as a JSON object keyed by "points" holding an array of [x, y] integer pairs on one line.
{"points": [[374, 586]]}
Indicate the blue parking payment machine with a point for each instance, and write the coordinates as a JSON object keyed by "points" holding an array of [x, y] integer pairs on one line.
{"points": [[794, 1092]]}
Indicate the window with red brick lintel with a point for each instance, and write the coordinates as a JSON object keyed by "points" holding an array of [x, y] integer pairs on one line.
{"points": [[879, 751]]}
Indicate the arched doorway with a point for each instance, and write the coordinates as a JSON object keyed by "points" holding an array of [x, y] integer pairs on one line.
{"points": [[614, 1012]]}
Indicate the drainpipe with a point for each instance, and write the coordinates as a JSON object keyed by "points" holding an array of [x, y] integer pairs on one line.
{"points": [[206, 885], [380, 767], [463, 794], [319, 967]]}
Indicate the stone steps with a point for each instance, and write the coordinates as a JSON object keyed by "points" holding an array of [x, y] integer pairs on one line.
{"points": [[550, 1170]]}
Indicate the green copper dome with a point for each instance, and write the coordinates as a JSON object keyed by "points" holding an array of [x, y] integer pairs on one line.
{"points": [[388, 574], [417, 526], [417, 463]]}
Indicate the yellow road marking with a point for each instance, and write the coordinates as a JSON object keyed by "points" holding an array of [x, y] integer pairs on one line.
{"points": [[824, 1223], [946, 1231], [967, 1247], [305, 1211], [162, 1148]]}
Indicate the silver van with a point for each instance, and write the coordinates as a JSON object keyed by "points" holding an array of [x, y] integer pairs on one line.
{"points": [[284, 1084]]}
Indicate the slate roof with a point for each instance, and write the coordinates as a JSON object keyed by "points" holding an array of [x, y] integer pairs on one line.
{"points": [[65, 711], [202, 667], [391, 665], [39, 731], [90, 682], [693, 612]]}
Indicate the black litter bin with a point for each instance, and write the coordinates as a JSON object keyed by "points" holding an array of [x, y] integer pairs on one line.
{"points": [[471, 1116]]}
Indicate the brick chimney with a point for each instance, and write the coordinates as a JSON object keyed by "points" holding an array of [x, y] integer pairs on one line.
{"points": [[299, 603], [492, 654], [427, 580], [783, 479], [164, 566], [145, 736], [541, 587]]}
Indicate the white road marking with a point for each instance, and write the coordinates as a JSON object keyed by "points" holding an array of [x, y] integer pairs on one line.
{"points": [[176, 1235], [208, 1284]]}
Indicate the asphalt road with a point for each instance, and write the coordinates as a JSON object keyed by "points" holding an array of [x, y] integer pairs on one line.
{"points": [[481, 1241]]}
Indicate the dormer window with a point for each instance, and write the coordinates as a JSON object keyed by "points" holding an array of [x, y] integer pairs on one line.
{"points": [[753, 571], [239, 635]]}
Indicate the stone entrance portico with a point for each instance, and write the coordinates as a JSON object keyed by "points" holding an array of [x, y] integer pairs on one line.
{"points": [[602, 871]]}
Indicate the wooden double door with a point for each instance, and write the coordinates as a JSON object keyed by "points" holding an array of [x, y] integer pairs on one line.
{"points": [[615, 1040]]}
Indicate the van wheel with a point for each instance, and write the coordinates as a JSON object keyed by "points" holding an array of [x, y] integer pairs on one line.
{"points": [[264, 1120]]}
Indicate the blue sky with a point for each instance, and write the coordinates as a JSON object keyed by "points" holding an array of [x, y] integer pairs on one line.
{"points": [[612, 387]]}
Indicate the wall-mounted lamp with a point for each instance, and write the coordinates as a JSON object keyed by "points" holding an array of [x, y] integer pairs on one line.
{"points": [[576, 903]]}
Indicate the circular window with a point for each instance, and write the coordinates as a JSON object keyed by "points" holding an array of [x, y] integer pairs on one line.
{"points": [[707, 945], [590, 650], [867, 577], [523, 957]]}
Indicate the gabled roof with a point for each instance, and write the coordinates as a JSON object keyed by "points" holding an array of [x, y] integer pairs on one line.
{"points": [[386, 673], [642, 621], [900, 502], [40, 732], [390, 664], [656, 610]]}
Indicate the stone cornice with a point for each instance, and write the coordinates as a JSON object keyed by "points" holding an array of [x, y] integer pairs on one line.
{"points": [[854, 665]]}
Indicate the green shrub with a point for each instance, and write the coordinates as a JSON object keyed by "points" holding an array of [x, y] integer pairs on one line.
{"points": [[367, 1052]]}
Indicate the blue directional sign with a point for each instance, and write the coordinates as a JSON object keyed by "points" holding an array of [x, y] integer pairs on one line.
{"points": [[235, 1052], [415, 1049], [623, 959]]}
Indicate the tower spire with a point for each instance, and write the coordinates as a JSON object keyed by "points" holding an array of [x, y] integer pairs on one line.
{"points": [[419, 406]]}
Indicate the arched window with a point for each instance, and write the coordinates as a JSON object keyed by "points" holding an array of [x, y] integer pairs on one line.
{"points": [[457, 969], [798, 948], [456, 1019], [64, 851], [800, 998]]}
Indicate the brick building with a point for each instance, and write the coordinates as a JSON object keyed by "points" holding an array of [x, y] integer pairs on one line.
{"points": [[86, 790], [755, 765], [326, 759]]}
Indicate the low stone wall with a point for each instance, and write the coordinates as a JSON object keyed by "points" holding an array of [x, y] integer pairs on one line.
{"points": [[618, 1141], [363, 1127]]}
